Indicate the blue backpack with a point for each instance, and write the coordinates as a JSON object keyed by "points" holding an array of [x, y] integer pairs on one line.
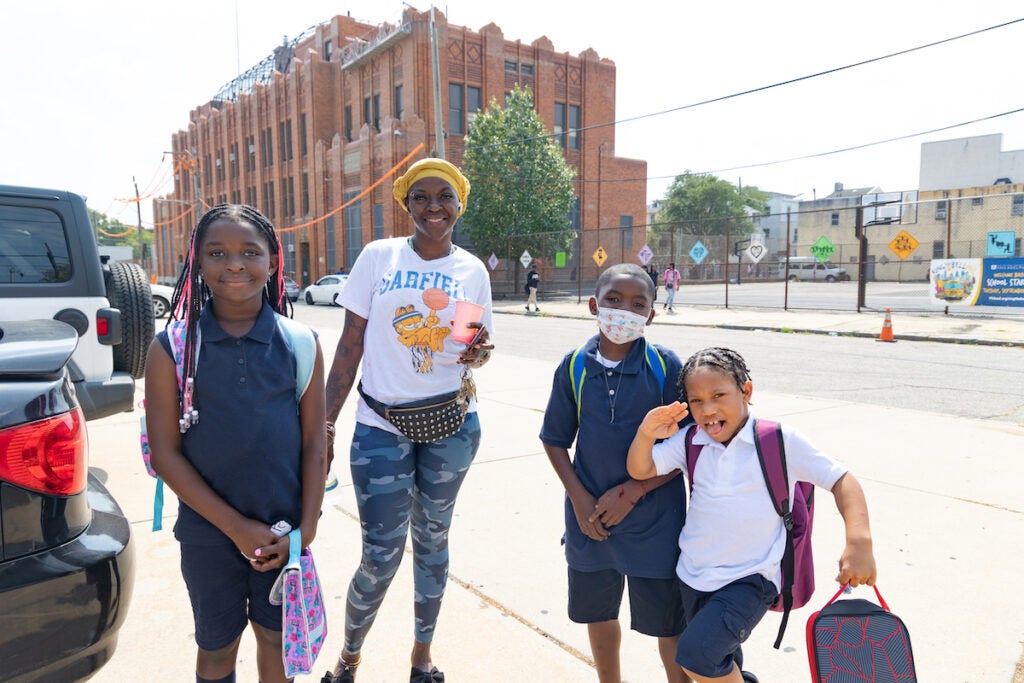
{"points": [[299, 338], [578, 370]]}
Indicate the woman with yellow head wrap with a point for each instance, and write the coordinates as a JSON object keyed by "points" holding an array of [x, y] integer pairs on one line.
{"points": [[399, 305]]}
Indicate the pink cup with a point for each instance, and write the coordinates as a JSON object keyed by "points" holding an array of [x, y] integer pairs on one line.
{"points": [[466, 312]]}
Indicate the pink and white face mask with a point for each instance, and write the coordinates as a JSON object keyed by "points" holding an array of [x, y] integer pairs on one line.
{"points": [[620, 327]]}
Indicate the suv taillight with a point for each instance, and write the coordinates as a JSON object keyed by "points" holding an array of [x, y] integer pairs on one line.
{"points": [[49, 456]]}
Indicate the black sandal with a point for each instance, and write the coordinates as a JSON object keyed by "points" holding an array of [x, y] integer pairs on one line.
{"points": [[347, 674], [421, 676]]}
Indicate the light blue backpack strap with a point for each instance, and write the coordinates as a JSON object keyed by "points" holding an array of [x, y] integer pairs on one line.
{"points": [[657, 364], [158, 505], [176, 339], [302, 342], [577, 373]]}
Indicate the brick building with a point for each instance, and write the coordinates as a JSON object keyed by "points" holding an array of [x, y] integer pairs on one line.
{"points": [[306, 135]]}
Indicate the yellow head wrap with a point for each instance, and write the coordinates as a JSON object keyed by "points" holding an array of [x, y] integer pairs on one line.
{"points": [[432, 168]]}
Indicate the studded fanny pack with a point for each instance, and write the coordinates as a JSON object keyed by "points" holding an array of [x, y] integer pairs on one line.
{"points": [[429, 419]]}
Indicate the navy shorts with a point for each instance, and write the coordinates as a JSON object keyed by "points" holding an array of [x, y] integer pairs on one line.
{"points": [[654, 604], [719, 622], [226, 594]]}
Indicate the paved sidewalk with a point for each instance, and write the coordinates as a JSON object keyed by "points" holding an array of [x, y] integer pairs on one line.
{"points": [[957, 329], [944, 494]]}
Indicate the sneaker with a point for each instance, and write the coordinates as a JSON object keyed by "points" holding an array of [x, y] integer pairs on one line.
{"points": [[527, 308], [749, 677]]}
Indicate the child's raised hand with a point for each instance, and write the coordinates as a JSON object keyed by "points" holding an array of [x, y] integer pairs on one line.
{"points": [[663, 421]]}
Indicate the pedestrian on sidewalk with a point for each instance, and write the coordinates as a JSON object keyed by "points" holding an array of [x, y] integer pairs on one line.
{"points": [[672, 278], [532, 284], [732, 544], [399, 333], [254, 460], [652, 270], [618, 530]]}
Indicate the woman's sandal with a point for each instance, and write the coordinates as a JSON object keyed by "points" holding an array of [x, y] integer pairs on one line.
{"points": [[346, 675], [421, 676]]}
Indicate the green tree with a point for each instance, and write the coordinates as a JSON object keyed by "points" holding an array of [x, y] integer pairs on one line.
{"points": [[521, 185], [705, 204]]}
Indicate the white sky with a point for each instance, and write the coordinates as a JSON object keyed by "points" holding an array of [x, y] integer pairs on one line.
{"points": [[91, 90]]}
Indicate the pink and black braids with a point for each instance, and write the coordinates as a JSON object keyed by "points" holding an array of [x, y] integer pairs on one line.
{"points": [[191, 293]]}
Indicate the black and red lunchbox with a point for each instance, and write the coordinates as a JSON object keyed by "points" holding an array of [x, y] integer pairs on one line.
{"points": [[857, 641]]}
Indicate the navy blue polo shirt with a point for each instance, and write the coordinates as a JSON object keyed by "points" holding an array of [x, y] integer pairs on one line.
{"points": [[248, 443], [645, 543]]}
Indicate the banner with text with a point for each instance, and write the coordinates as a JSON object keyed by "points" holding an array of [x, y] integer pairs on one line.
{"points": [[977, 282]]}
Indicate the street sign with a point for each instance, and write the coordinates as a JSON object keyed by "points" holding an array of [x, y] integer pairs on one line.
{"points": [[493, 261], [645, 254], [756, 252], [823, 249], [1001, 243], [600, 256], [698, 252], [903, 244], [525, 258]]}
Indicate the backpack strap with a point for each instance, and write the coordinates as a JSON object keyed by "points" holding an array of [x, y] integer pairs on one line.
{"points": [[656, 363], [578, 371], [302, 342], [771, 452]]}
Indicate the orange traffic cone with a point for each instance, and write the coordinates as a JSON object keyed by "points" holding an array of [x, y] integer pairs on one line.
{"points": [[886, 335]]}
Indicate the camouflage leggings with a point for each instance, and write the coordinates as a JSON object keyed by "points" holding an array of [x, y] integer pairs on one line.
{"points": [[397, 481]]}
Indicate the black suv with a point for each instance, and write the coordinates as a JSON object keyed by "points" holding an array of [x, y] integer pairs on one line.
{"points": [[50, 268], [67, 562]]}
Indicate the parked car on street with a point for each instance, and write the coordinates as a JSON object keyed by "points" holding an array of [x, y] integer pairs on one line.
{"points": [[67, 559], [162, 296], [326, 289], [292, 289], [52, 268], [810, 268]]}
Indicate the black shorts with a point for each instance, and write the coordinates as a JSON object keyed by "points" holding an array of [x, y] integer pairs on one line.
{"points": [[655, 606], [226, 593], [719, 623]]}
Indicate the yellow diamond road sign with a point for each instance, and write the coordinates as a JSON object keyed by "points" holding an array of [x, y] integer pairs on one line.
{"points": [[600, 256], [903, 244]]}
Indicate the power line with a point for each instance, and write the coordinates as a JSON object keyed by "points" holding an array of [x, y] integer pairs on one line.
{"points": [[865, 145], [762, 88]]}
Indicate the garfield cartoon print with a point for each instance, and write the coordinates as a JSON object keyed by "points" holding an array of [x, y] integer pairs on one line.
{"points": [[423, 336]]}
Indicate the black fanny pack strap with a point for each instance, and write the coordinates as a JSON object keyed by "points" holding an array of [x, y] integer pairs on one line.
{"points": [[375, 405]]}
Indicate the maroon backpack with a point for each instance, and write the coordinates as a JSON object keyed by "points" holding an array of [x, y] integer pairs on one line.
{"points": [[798, 517]]}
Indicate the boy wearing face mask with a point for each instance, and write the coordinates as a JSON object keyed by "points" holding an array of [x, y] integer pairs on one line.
{"points": [[618, 530]]}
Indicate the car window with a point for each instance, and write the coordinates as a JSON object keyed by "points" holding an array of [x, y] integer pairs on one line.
{"points": [[33, 246]]}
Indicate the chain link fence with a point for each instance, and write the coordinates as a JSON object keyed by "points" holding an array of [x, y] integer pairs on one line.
{"points": [[828, 266]]}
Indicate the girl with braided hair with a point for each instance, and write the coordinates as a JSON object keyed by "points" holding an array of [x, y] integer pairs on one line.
{"points": [[732, 545], [253, 459]]}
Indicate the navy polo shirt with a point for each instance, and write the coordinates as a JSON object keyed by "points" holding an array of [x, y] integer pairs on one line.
{"points": [[645, 543], [248, 443]]}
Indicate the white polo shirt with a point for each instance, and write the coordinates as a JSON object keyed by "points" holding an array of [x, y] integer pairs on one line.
{"points": [[732, 529]]}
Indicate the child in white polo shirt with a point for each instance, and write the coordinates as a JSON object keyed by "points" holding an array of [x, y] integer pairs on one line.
{"points": [[733, 540]]}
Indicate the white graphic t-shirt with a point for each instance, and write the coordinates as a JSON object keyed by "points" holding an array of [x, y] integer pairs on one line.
{"points": [[409, 305]]}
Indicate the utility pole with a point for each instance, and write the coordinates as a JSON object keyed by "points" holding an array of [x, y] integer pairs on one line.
{"points": [[438, 123], [138, 208], [196, 190]]}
